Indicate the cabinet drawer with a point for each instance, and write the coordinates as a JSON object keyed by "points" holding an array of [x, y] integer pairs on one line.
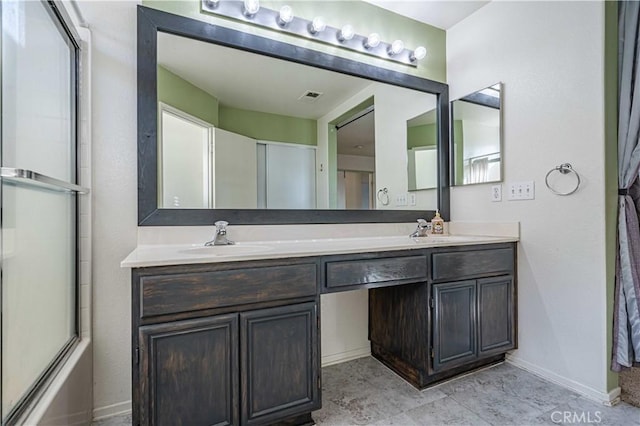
{"points": [[461, 264], [375, 271], [182, 292]]}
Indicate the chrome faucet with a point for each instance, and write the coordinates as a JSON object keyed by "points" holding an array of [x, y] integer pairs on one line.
{"points": [[220, 239], [422, 229]]}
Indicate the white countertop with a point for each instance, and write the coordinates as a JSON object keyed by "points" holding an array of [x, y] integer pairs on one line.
{"points": [[180, 254]]}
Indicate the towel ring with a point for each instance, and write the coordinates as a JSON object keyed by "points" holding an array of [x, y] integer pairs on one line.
{"points": [[563, 169], [383, 196]]}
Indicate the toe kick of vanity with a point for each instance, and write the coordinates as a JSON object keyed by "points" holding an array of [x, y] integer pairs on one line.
{"points": [[238, 342]]}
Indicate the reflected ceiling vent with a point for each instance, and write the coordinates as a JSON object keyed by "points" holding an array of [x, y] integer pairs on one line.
{"points": [[310, 96]]}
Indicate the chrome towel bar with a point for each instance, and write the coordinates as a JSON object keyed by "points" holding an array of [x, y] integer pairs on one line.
{"points": [[30, 177]]}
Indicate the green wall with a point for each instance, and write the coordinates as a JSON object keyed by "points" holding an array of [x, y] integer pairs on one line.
{"points": [[332, 166], [611, 166], [269, 127], [423, 135], [180, 94], [365, 18], [183, 95]]}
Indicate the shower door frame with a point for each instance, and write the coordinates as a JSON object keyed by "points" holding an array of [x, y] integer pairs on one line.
{"points": [[30, 397]]}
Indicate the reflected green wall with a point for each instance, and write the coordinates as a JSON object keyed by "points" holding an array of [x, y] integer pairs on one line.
{"points": [[269, 127], [332, 167], [180, 94], [183, 95], [424, 135]]}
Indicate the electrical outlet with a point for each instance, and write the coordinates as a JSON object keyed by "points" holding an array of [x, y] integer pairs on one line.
{"points": [[412, 198], [401, 200], [496, 193], [521, 190]]}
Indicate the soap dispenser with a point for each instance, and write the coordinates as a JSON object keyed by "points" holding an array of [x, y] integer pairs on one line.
{"points": [[437, 224]]}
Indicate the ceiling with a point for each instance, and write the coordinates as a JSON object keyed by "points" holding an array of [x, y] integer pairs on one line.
{"points": [[358, 137], [260, 83], [255, 82], [441, 14]]}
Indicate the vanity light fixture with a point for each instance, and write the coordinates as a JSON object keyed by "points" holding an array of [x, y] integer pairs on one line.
{"points": [[283, 20], [396, 47], [317, 25], [346, 33], [285, 16], [251, 7], [372, 41], [418, 54]]}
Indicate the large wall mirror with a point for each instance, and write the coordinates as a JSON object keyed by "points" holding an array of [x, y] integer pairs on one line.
{"points": [[476, 133], [253, 131]]}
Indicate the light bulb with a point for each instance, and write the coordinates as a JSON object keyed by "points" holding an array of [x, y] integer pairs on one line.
{"points": [[372, 41], [396, 47], [251, 7], [419, 53], [286, 15], [346, 33], [317, 25]]}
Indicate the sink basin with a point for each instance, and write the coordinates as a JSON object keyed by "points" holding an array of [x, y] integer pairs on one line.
{"points": [[232, 250]]}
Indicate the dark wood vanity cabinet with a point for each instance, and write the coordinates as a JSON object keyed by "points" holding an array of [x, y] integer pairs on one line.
{"points": [[461, 317], [454, 316], [188, 372], [226, 344], [279, 367], [472, 320], [237, 343]]}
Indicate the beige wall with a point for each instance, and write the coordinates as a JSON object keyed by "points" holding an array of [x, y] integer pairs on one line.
{"points": [[113, 28], [550, 57]]}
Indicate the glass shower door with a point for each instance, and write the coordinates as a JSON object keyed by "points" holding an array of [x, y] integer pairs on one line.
{"points": [[38, 196]]}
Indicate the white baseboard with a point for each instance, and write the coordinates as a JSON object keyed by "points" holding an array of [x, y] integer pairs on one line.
{"points": [[345, 356], [121, 408], [610, 398]]}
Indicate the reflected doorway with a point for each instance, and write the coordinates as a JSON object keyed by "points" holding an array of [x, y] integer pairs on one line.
{"points": [[356, 161]]}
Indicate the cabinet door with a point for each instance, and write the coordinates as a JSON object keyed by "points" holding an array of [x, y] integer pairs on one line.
{"points": [[189, 372], [496, 325], [279, 363], [454, 324]]}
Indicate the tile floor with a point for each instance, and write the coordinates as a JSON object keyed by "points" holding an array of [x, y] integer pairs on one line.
{"points": [[364, 392]]}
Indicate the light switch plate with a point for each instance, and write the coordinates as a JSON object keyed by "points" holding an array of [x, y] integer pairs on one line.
{"points": [[524, 190], [412, 198]]}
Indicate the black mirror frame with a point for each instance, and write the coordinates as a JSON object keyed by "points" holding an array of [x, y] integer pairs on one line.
{"points": [[151, 21]]}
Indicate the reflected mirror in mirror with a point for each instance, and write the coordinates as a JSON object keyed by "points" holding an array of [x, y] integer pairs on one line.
{"points": [[422, 151], [244, 131], [476, 131]]}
